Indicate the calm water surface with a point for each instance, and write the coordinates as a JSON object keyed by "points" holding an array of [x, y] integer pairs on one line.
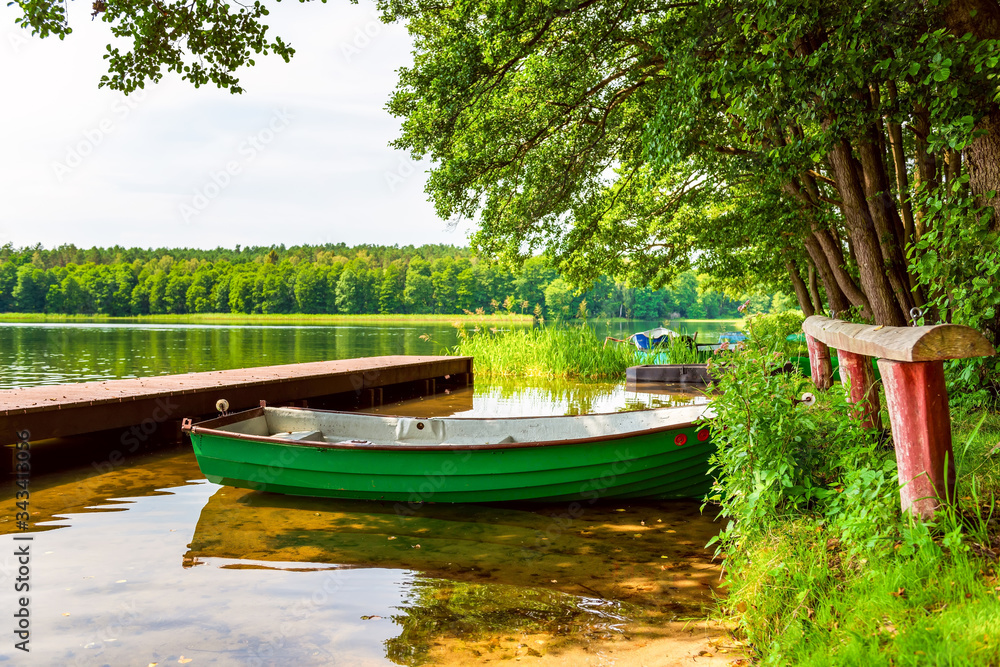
{"points": [[42, 353], [150, 563]]}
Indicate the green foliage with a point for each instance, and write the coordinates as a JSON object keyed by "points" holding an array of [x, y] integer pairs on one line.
{"points": [[204, 42], [559, 299], [124, 282], [805, 602], [958, 262], [770, 331], [820, 566], [391, 290], [768, 466], [562, 352], [31, 289]]}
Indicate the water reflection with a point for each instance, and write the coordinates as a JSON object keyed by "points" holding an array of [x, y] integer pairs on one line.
{"points": [[565, 575], [39, 354], [524, 397], [152, 563], [483, 618], [51, 353]]}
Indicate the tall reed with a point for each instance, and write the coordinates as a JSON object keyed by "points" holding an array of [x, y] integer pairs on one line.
{"points": [[560, 351]]}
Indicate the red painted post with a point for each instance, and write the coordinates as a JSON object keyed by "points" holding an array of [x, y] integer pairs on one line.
{"points": [[921, 429], [819, 363], [857, 372]]}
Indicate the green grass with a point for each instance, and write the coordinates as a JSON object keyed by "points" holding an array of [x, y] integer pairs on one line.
{"points": [[977, 451], [559, 352], [804, 602], [930, 596], [296, 318]]}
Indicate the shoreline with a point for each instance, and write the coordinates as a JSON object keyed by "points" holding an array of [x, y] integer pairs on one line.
{"points": [[292, 318], [324, 318]]}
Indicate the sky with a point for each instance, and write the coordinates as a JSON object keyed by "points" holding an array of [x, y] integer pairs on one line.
{"points": [[302, 157]]}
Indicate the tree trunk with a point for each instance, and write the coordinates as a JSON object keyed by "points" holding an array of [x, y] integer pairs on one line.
{"points": [[885, 219], [982, 159], [835, 256], [814, 289], [834, 295], [952, 167], [808, 194], [871, 267], [801, 292], [926, 172]]}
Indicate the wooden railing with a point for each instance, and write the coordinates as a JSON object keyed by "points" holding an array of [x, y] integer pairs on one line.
{"points": [[911, 362]]}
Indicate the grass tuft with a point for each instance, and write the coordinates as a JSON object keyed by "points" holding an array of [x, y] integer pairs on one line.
{"points": [[560, 352]]}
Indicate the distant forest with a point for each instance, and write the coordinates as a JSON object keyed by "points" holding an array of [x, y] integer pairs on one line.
{"points": [[331, 278]]}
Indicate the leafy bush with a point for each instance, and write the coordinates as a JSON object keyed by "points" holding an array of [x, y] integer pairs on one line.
{"points": [[771, 331], [957, 261], [775, 456], [821, 567]]}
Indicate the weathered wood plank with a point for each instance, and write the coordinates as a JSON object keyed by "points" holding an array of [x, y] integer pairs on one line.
{"points": [[930, 343], [72, 409]]}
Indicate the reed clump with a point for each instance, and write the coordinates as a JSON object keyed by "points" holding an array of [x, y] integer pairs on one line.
{"points": [[560, 352]]}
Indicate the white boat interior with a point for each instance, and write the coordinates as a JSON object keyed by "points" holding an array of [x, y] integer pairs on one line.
{"points": [[301, 425]]}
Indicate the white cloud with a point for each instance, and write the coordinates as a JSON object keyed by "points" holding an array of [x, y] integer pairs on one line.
{"points": [[88, 166]]}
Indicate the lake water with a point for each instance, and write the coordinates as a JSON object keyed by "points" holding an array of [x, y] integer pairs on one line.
{"points": [[150, 563], [42, 353]]}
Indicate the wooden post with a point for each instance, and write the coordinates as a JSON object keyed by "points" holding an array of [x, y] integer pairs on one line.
{"points": [[921, 428], [857, 370], [819, 363]]}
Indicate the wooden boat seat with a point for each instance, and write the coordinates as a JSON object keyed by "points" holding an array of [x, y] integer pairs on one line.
{"points": [[429, 431]]}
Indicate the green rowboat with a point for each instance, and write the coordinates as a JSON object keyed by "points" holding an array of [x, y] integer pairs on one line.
{"points": [[659, 453]]}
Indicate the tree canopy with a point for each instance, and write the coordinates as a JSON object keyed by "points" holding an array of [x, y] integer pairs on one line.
{"points": [[620, 136], [834, 147], [333, 278]]}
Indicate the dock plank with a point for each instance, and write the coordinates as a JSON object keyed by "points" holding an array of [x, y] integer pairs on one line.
{"points": [[69, 409]]}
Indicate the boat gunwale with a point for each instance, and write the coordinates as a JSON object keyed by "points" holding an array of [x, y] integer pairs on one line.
{"points": [[225, 420]]}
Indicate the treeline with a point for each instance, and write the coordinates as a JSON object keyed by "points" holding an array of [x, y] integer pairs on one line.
{"points": [[329, 279]]}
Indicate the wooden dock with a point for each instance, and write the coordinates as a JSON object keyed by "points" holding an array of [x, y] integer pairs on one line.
{"points": [[59, 411]]}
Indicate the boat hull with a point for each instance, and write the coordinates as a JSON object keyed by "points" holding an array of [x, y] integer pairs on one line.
{"points": [[664, 464]]}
